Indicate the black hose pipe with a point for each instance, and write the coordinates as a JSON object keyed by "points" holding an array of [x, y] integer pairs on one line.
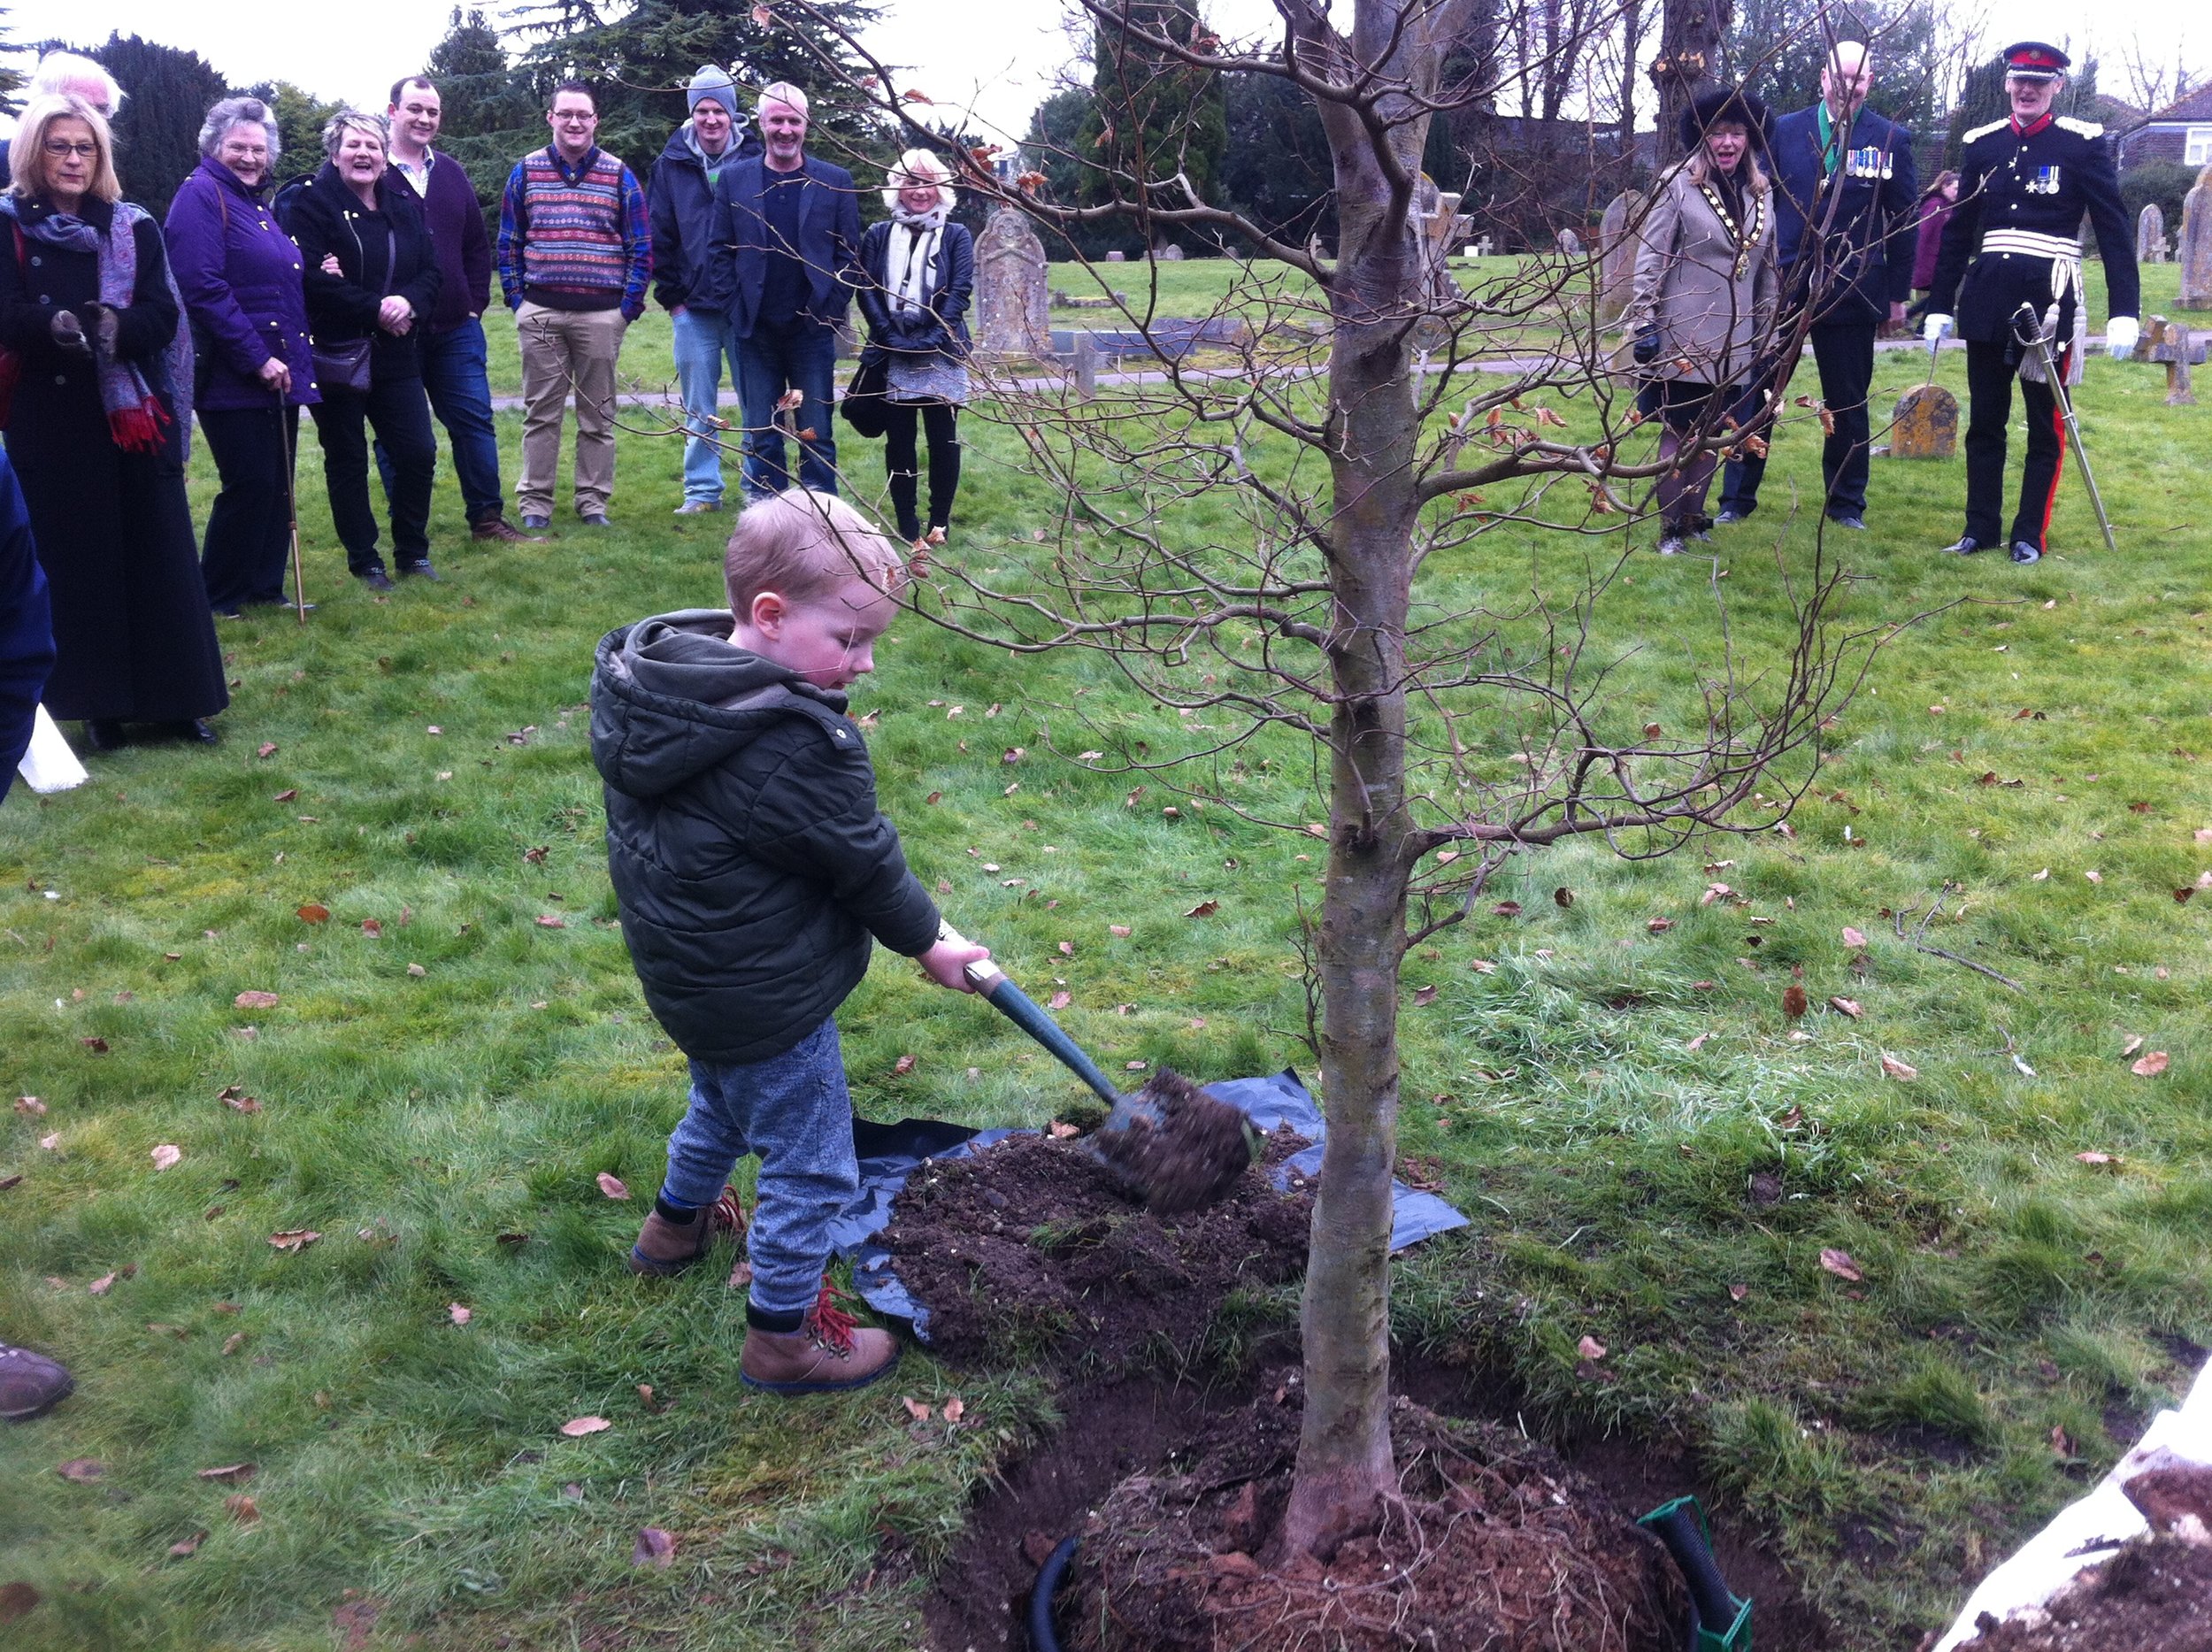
{"points": [[1043, 1636]]}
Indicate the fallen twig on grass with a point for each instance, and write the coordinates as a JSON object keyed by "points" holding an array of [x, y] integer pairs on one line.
{"points": [[1918, 940]]}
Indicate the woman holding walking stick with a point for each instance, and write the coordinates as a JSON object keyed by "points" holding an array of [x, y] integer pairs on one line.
{"points": [[243, 285]]}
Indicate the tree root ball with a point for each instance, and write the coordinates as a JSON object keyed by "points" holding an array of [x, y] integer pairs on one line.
{"points": [[1493, 1543]]}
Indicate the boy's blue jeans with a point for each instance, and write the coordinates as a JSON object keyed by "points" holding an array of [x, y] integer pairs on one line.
{"points": [[794, 1111]]}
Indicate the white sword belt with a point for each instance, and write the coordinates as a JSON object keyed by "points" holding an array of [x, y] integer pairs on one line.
{"points": [[2029, 244]]}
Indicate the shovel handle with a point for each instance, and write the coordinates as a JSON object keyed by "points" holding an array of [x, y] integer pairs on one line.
{"points": [[1024, 1013]]}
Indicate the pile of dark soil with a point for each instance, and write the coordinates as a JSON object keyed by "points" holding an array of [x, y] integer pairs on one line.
{"points": [[1025, 1252], [2155, 1595], [1171, 1147], [1496, 1545]]}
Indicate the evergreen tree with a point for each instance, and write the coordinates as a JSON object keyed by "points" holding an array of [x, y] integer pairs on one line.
{"points": [[1984, 99], [1275, 165], [493, 115], [1153, 119], [11, 79], [157, 130], [638, 62]]}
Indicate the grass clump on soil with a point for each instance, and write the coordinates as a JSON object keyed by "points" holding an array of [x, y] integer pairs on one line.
{"points": [[1623, 1108]]}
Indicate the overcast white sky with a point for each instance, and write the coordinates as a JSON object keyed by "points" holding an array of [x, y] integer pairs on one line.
{"points": [[1001, 56]]}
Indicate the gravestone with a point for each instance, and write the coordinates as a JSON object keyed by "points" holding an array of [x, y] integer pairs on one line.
{"points": [[1116, 257], [2150, 235], [1569, 244], [1617, 250], [1171, 254], [2171, 344], [1483, 246], [1009, 286], [1085, 354], [2196, 245], [1927, 424]]}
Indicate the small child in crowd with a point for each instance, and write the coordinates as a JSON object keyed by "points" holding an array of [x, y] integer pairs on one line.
{"points": [[752, 866]]}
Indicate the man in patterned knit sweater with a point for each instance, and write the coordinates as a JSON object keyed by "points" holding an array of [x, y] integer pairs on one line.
{"points": [[575, 254]]}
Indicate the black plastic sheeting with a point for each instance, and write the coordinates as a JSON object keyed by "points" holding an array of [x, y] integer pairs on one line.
{"points": [[890, 1153]]}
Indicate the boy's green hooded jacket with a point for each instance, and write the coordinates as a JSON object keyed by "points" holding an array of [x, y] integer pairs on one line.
{"points": [[749, 859]]}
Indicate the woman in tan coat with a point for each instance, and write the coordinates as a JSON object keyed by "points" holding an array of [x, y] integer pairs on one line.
{"points": [[1703, 305]]}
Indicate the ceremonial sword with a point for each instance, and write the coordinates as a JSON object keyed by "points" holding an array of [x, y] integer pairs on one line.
{"points": [[2029, 333]]}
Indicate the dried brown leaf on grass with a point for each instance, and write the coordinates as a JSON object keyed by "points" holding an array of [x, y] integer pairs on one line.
{"points": [[654, 1547], [256, 1000], [2150, 1066], [577, 1427], [612, 1186], [1893, 1068], [1839, 1263]]}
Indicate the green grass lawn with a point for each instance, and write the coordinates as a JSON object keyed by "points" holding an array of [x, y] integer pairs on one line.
{"points": [[1650, 1152]]}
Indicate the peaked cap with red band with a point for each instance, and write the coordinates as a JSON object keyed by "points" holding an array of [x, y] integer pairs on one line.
{"points": [[2036, 60]]}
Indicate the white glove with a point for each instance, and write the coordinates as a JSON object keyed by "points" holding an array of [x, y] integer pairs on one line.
{"points": [[1934, 327], [2120, 334]]}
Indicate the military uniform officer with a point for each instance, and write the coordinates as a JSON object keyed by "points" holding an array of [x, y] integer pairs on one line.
{"points": [[2025, 183]]}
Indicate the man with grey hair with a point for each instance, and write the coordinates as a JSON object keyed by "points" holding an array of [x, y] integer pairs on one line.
{"points": [[70, 74], [786, 257]]}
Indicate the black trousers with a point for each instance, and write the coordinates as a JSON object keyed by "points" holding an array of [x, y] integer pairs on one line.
{"points": [[939, 421], [1845, 357], [249, 529], [401, 415], [1990, 371]]}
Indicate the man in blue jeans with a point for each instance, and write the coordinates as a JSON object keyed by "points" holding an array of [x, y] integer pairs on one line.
{"points": [[681, 195], [452, 336], [785, 257]]}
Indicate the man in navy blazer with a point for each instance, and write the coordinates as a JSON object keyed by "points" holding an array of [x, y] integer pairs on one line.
{"points": [[1844, 229], [784, 261]]}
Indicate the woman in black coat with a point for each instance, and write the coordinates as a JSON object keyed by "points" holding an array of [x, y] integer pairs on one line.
{"points": [[919, 270], [370, 274], [96, 429]]}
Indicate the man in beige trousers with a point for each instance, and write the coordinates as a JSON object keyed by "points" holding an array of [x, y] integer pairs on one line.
{"points": [[575, 255]]}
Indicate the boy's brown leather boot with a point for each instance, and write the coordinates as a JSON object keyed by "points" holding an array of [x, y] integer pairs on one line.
{"points": [[665, 1246], [827, 1353]]}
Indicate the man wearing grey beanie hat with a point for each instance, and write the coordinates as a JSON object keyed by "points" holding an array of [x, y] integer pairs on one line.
{"points": [[682, 200]]}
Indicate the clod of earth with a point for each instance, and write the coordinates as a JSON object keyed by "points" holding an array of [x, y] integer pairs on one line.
{"points": [[1174, 1146], [1493, 1543]]}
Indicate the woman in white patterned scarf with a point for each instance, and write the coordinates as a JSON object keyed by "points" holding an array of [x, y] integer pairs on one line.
{"points": [[919, 269]]}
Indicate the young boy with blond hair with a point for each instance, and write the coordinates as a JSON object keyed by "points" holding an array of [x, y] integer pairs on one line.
{"points": [[752, 866]]}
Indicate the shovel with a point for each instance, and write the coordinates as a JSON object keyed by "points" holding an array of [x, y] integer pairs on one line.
{"points": [[1171, 1146]]}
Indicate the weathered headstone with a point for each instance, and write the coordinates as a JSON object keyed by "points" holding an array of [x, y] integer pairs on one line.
{"points": [[1116, 257], [2150, 235], [1171, 254], [1484, 246], [2196, 245], [2171, 344], [1927, 424], [1569, 244], [1010, 283], [1617, 250]]}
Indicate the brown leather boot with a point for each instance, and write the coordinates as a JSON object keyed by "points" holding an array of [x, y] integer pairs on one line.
{"points": [[498, 530], [664, 1247], [826, 1354]]}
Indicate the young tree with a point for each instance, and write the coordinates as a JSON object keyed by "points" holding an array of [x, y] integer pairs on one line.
{"points": [[1283, 551]]}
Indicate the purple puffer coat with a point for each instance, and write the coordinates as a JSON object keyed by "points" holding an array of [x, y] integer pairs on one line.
{"points": [[240, 275]]}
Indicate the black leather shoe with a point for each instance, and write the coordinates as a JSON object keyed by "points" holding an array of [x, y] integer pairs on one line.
{"points": [[230, 613], [418, 571], [377, 579], [197, 730], [1965, 545], [104, 734], [1856, 524], [2024, 553], [1729, 519]]}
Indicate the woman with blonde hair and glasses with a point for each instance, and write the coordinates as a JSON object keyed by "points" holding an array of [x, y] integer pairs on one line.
{"points": [[92, 336]]}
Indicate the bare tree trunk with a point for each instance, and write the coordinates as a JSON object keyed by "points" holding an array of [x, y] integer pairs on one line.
{"points": [[1345, 1466], [1688, 62], [1631, 47]]}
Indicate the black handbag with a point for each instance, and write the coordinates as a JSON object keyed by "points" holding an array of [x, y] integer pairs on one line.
{"points": [[347, 364], [866, 403]]}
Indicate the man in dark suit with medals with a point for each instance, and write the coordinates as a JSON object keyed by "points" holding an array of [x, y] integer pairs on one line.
{"points": [[1843, 217], [2013, 245]]}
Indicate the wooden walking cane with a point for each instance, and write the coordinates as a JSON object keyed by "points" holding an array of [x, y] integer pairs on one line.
{"points": [[292, 509]]}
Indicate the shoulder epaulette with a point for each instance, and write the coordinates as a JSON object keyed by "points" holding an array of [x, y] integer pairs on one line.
{"points": [[1983, 132], [2084, 128]]}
